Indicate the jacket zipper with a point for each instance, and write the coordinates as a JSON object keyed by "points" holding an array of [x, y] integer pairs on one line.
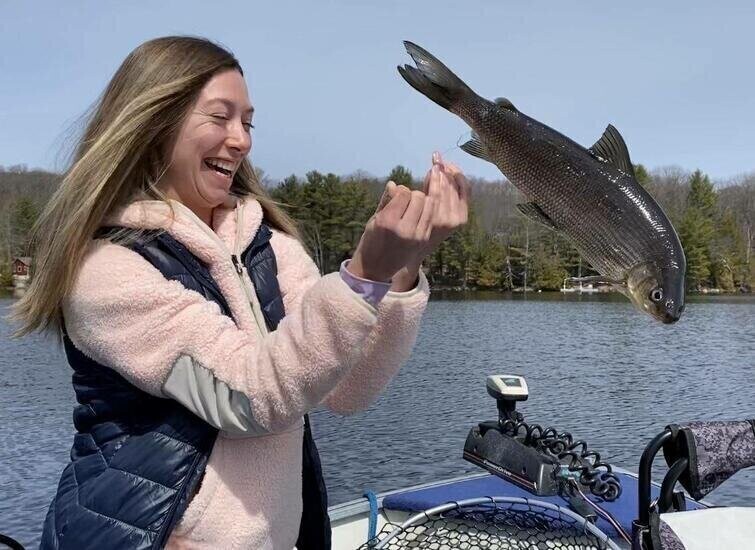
{"points": [[251, 294], [241, 270]]}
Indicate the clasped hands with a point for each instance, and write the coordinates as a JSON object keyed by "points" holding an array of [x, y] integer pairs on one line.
{"points": [[409, 225]]}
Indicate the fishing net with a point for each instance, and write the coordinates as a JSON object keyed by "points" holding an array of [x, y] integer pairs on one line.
{"points": [[492, 524]]}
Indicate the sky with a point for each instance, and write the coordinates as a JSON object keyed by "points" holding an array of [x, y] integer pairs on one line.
{"points": [[675, 78]]}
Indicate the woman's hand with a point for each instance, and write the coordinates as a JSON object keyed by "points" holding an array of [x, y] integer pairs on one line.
{"points": [[449, 189], [397, 234], [409, 225]]}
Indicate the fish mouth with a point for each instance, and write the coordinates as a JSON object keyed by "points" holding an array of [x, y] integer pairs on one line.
{"points": [[672, 315], [670, 318]]}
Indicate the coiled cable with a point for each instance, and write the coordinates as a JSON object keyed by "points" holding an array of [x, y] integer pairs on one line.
{"points": [[592, 471]]}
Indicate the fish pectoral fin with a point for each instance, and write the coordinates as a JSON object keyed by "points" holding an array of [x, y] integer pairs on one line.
{"points": [[536, 214], [611, 147], [475, 148], [505, 104]]}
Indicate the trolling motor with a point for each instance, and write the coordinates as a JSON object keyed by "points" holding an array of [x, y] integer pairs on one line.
{"points": [[545, 462]]}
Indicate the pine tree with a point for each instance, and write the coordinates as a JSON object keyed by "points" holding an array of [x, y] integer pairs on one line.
{"points": [[697, 231], [24, 214], [730, 268], [401, 176], [547, 271], [487, 263], [6, 276], [702, 195], [642, 176], [451, 263]]}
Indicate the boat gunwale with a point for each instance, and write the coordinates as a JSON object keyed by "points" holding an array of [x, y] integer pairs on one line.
{"points": [[361, 505], [351, 508]]}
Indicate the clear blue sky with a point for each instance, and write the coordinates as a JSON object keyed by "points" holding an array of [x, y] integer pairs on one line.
{"points": [[675, 77]]}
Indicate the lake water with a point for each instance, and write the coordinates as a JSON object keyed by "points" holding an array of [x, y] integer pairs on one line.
{"points": [[594, 366]]}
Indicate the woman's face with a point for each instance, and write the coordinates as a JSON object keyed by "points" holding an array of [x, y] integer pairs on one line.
{"points": [[212, 142]]}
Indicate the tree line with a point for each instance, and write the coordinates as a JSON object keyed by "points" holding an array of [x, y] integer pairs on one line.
{"points": [[498, 249]]}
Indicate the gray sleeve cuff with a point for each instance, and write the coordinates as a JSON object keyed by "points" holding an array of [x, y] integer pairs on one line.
{"points": [[197, 389]]}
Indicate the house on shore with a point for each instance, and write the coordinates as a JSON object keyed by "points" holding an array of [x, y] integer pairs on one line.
{"points": [[21, 272]]}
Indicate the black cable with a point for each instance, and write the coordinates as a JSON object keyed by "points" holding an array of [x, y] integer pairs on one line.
{"points": [[603, 513], [593, 472], [10, 543]]}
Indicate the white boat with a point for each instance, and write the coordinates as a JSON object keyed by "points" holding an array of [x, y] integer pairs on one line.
{"points": [[587, 288], [580, 289]]}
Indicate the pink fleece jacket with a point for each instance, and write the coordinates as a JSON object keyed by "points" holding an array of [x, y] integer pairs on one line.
{"points": [[332, 348]]}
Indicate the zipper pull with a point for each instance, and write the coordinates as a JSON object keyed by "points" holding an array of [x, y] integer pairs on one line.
{"points": [[237, 264]]}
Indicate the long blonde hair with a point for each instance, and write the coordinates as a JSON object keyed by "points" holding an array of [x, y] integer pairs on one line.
{"points": [[121, 155]]}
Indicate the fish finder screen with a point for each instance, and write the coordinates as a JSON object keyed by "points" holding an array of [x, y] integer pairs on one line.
{"points": [[512, 382]]}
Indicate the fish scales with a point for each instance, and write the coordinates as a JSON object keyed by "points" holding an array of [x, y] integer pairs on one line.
{"points": [[559, 185], [589, 196]]}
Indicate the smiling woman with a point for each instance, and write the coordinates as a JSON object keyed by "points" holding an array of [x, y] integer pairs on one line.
{"points": [[199, 331], [210, 145]]}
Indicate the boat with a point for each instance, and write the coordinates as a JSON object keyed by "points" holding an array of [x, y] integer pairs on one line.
{"points": [[356, 522], [581, 289], [542, 489]]}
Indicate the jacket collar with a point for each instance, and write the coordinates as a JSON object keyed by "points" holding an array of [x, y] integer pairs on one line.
{"points": [[234, 225]]}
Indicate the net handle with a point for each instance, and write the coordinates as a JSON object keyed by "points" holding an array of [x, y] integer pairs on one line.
{"points": [[457, 504]]}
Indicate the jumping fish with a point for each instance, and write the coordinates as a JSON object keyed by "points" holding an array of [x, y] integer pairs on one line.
{"points": [[591, 196]]}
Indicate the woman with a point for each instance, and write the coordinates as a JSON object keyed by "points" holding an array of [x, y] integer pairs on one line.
{"points": [[199, 331]]}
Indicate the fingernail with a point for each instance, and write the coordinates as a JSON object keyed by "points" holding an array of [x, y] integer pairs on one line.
{"points": [[436, 157]]}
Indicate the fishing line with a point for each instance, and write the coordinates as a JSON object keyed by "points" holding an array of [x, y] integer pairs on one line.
{"points": [[466, 136], [444, 153]]}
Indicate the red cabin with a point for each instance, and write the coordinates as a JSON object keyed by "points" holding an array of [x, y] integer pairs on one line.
{"points": [[21, 266]]}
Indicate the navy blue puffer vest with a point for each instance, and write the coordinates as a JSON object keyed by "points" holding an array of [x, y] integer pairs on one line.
{"points": [[137, 459]]}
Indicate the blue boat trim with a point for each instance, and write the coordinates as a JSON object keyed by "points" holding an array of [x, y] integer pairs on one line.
{"points": [[624, 509], [374, 511]]}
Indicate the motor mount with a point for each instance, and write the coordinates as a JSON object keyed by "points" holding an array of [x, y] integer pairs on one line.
{"points": [[545, 462]]}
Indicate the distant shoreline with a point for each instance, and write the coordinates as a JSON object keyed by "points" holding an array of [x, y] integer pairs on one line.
{"points": [[712, 292], [7, 292]]}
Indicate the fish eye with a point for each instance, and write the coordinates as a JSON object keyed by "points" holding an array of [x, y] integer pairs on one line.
{"points": [[656, 294]]}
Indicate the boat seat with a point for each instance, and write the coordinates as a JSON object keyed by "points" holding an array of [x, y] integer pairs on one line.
{"points": [[711, 529], [624, 509]]}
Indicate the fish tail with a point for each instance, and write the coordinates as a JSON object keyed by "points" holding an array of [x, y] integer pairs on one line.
{"points": [[433, 79]]}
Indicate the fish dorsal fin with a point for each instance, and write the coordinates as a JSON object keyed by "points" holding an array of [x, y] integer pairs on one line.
{"points": [[536, 214], [612, 148], [505, 103], [475, 148]]}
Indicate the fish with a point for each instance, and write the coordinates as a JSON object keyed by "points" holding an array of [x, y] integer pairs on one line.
{"points": [[589, 195]]}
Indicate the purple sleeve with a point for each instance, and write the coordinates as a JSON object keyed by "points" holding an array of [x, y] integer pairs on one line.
{"points": [[371, 291]]}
